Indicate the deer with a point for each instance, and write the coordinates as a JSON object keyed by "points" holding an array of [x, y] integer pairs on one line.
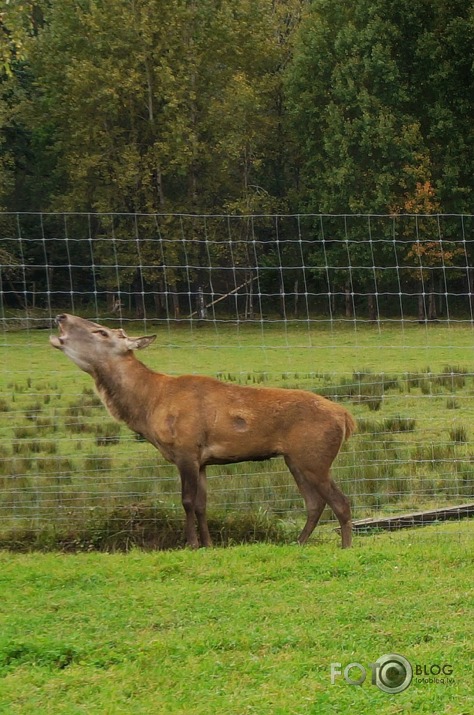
{"points": [[197, 420]]}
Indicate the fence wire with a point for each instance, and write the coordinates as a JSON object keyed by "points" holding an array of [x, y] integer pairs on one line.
{"points": [[372, 311]]}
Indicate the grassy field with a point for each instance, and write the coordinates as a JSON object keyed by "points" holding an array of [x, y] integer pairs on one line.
{"points": [[249, 629], [411, 387]]}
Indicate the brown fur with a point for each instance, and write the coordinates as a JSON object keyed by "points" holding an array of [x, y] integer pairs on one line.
{"points": [[195, 421]]}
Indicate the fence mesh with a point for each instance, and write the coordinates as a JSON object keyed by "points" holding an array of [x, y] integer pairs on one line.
{"points": [[372, 311]]}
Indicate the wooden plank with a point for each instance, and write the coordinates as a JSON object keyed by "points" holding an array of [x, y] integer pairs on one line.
{"points": [[418, 518]]}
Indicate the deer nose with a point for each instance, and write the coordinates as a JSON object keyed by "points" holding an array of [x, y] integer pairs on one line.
{"points": [[61, 318]]}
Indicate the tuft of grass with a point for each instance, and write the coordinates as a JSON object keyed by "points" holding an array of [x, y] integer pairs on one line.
{"points": [[33, 411], [152, 527], [16, 466], [96, 463], [4, 405], [399, 424], [374, 403], [433, 454], [62, 466], [78, 409], [453, 377], [458, 434], [89, 398], [49, 446], [26, 446], [23, 432], [76, 424], [364, 387], [107, 434], [47, 424], [368, 425]]}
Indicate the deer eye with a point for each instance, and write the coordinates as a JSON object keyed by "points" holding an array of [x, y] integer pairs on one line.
{"points": [[104, 333]]}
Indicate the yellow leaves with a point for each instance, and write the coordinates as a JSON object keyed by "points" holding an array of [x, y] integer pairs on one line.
{"points": [[430, 250], [423, 199], [432, 253]]}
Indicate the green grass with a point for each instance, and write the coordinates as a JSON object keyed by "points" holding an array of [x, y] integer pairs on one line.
{"points": [[249, 629], [411, 387]]}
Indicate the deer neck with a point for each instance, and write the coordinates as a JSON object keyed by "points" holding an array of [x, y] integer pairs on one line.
{"points": [[125, 388]]}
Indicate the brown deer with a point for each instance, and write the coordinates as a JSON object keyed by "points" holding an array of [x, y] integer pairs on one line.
{"points": [[195, 421]]}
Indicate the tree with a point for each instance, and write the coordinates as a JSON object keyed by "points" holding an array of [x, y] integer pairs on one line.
{"points": [[161, 106], [374, 85], [430, 254], [12, 35], [153, 106]]}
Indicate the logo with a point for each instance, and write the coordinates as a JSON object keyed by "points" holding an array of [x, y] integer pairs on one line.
{"points": [[393, 673]]}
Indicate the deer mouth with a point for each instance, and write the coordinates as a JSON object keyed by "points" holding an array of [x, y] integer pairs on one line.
{"points": [[57, 341]]}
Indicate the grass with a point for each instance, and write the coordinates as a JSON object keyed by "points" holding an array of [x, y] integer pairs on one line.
{"points": [[410, 387], [249, 629]]}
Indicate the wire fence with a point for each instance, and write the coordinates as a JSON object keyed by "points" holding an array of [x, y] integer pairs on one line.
{"points": [[372, 311]]}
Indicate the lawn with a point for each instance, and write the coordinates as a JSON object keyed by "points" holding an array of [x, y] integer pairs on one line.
{"points": [[410, 386], [248, 629]]}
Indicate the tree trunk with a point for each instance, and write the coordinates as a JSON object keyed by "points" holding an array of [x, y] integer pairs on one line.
{"points": [[296, 299], [282, 302], [432, 314], [348, 300], [421, 308], [469, 290], [249, 311], [372, 308], [175, 301]]}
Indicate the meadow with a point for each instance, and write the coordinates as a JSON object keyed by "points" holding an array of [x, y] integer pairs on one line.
{"points": [[242, 630], [254, 627], [70, 475]]}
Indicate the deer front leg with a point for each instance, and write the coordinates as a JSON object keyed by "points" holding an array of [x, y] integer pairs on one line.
{"points": [[201, 501], [189, 473]]}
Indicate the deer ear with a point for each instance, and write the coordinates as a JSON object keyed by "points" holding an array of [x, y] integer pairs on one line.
{"points": [[140, 343]]}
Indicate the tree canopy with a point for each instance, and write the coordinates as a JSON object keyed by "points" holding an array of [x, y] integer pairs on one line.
{"points": [[379, 95], [242, 105]]}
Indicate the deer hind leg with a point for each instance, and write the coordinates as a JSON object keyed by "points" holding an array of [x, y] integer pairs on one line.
{"points": [[340, 505], [314, 502], [201, 500], [189, 473], [318, 489]]}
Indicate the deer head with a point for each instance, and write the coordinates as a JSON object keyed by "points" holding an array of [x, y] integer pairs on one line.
{"points": [[89, 345]]}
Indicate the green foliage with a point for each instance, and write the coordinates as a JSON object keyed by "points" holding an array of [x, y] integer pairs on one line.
{"points": [[240, 105], [367, 98], [158, 105]]}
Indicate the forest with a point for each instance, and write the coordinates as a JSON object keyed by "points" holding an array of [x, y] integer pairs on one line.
{"points": [[243, 107]]}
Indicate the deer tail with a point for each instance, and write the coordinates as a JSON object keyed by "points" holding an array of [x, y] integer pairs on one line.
{"points": [[350, 426]]}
